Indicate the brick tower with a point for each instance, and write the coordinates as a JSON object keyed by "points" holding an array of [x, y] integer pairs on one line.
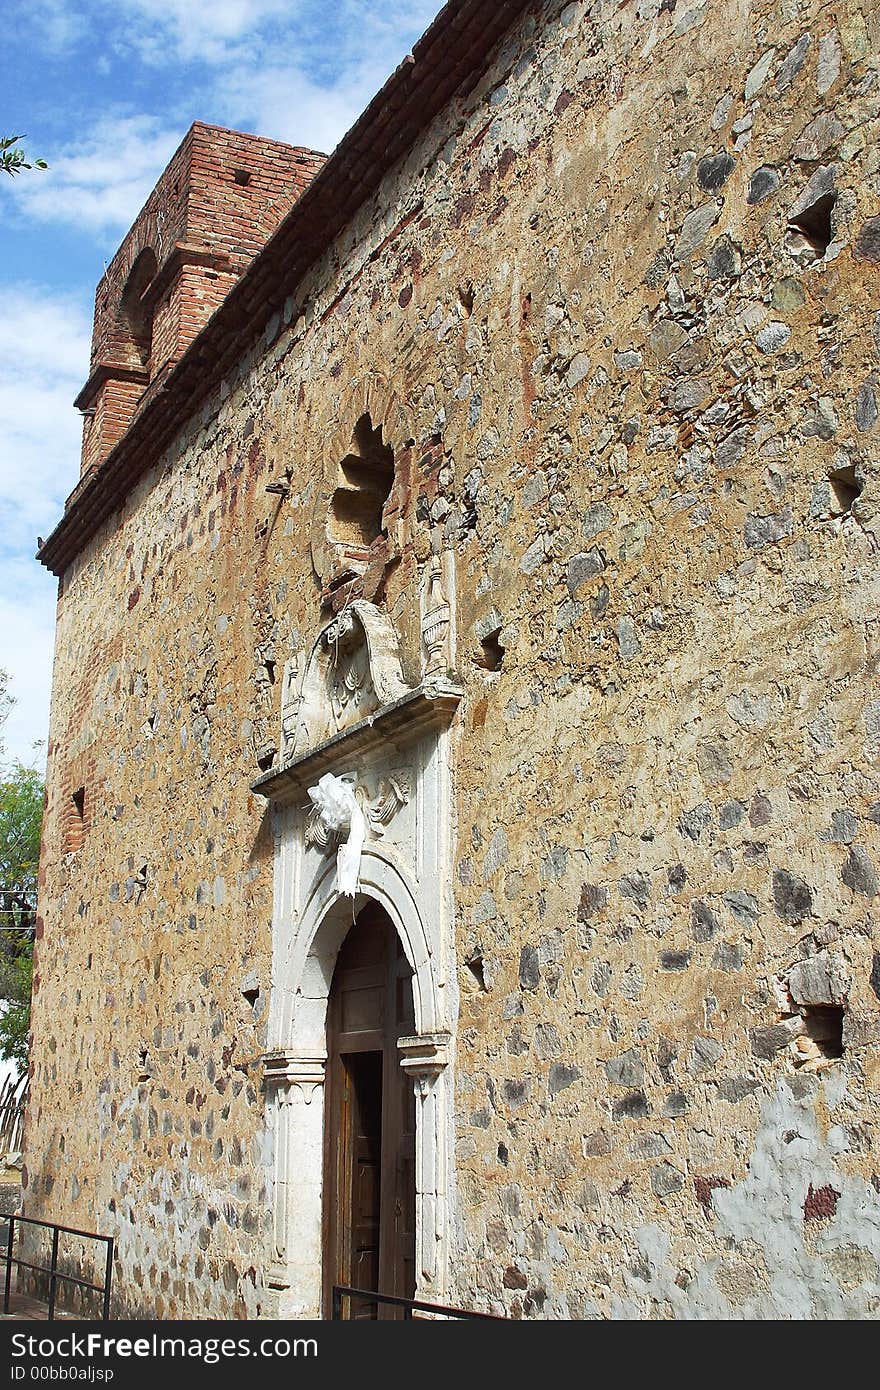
{"points": [[219, 200]]}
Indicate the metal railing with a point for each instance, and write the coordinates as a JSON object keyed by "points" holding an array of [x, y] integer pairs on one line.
{"points": [[13, 1100], [409, 1305], [55, 1274], [18, 910]]}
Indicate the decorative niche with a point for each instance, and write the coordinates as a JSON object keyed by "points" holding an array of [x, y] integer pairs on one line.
{"points": [[135, 317], [366, 476]]}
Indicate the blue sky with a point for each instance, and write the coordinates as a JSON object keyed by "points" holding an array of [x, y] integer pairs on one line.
{"points": [[105, 92]]}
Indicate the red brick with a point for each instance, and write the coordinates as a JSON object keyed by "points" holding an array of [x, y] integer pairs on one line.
{"points": [[204, 229]]}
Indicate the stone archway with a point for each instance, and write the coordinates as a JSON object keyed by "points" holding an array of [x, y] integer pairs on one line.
{"points": [[295, 1076]]}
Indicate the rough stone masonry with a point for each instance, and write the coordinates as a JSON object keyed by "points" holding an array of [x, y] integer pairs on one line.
{"points": [[615, 307]]}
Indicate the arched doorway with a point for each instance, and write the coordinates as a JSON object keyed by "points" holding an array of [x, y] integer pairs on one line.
{"points": [[369, 1119]]}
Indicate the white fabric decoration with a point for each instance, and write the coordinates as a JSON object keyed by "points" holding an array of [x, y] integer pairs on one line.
{"points": [[339, 813]]}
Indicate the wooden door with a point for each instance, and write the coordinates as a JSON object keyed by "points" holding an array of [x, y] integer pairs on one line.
{"points": [[369, 1175], [362, 1106]]}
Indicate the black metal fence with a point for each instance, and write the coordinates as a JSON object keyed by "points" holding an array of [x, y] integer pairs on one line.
{"points": [[55, 1274], [13, 1102], [408, 1306]]}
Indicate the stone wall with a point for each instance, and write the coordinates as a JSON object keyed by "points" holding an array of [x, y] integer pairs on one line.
{"points": [[614, 315]]}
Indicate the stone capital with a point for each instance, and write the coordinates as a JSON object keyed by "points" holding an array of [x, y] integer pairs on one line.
{"points": [[425, 1054], [284, 1069]]}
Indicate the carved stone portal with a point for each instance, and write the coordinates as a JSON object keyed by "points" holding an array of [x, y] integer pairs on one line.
{"points": [[365, 774]]}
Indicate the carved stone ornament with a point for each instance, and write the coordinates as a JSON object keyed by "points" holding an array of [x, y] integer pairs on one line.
{"points": [[352, 670], [342, 815], [379, 810], [392, 792], [436, 620]]}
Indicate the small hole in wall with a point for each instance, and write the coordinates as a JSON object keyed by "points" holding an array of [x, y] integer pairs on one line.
{"points": [[475, 966], [251, 994], [823, 1039], [75, 822], [242, 177], [809, 234], [845, 488], [266, 756], [270, 671], [143, 1064], [491, 653]]}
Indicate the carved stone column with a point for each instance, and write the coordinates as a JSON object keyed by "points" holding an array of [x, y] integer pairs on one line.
{"points": [[295, 1087], [437, 615], [425, 1058]]}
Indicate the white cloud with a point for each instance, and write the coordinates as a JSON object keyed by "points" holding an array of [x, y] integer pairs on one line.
{"points": [[190, 31], [53, 25], [44, 356], [379, 28], [288, 102], [235, 30], [44, 359], [284, 103], [100, 183], [44, 334], [27, 625], [165, 33]]}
